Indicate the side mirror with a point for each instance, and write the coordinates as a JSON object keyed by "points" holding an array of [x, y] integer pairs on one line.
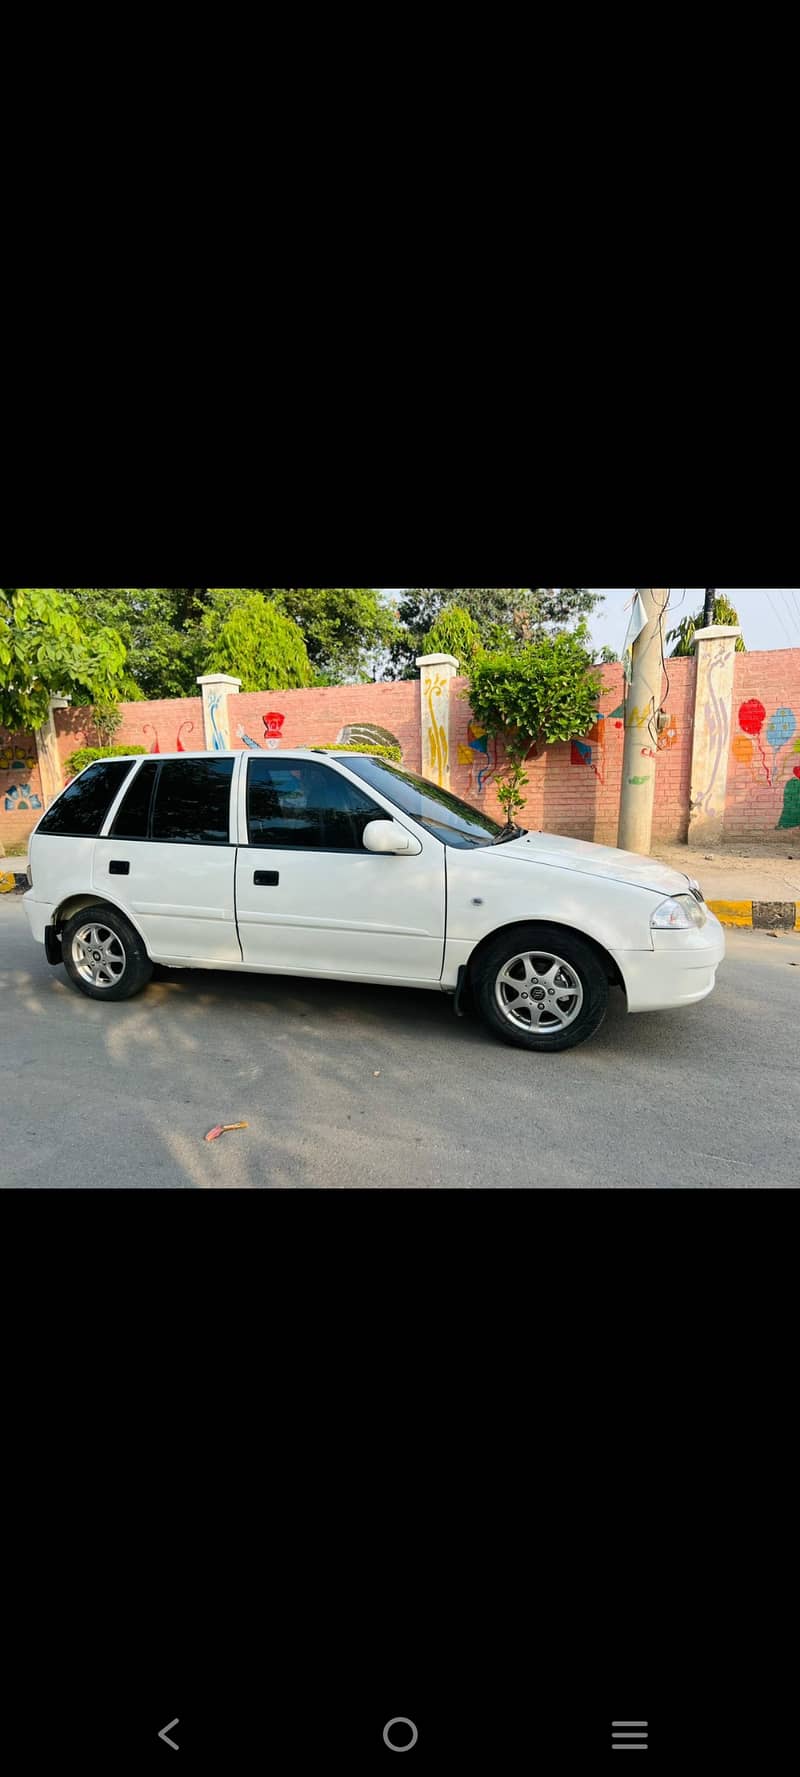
{"points": [[389, 836]]}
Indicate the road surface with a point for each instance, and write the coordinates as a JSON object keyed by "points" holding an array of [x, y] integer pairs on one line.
{"points": [[359, 1086]]}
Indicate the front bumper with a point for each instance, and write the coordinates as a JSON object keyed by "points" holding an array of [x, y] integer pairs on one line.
{"points": [[680, 969]]}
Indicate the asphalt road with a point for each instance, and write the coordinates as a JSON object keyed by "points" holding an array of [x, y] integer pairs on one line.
{"points": [[356, 1086]]}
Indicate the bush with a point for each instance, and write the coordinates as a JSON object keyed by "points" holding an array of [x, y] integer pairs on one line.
{"points": [[536, 696], [393, 753], [84, 756]]}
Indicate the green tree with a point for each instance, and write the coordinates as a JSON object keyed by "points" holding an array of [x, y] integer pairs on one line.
{"points": [[507, 616], [48, 649], [684, 634], [540, 693], [345, 628], [161, 627], [262, 647], [454, 632]]}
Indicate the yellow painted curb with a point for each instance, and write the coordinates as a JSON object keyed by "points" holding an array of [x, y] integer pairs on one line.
{"points": [[7, 883], [733, 913], [797, 921]]}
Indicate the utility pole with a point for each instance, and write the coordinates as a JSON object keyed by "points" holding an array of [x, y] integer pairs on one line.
{"points": [[711, 599], [641, 726]]}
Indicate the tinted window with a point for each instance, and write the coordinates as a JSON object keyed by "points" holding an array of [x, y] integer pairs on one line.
{"points": [[82, 808], [132, 817], [192, 801], [452, 820], [309, 806]]}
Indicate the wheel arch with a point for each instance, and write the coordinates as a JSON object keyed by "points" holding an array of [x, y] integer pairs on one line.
{"points": [[73, 904], [604, 957]]}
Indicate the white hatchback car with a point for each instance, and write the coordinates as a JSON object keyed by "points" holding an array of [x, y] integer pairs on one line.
{"points": [[347, 867]]}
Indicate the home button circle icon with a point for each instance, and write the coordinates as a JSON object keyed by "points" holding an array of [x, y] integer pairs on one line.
{"points": [[395, 1734]]}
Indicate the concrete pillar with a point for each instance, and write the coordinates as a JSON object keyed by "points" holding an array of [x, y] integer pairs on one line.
{"points": [[716, 654], [216, 689], [436, 672], [50, 769], [642, 705]]}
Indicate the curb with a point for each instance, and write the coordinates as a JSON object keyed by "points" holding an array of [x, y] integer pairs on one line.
{"points": [[13, 882], [761, 916]]}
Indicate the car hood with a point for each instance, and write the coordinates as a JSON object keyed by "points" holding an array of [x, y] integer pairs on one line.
{"points": [[594, 860]]}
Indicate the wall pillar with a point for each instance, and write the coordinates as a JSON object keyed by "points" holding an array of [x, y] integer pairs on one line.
{"points": [[50, 768], [716, 654], [216, 688], [436, 672]]}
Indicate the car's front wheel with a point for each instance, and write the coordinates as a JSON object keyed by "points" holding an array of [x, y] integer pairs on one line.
{"points": [[542, 988], [104, 955]]}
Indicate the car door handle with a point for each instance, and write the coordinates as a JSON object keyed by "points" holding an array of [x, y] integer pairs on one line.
{"points": [[266, 878], [118, 868]]}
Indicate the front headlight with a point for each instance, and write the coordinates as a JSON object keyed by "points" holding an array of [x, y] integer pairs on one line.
{"points": [[678, 914]]}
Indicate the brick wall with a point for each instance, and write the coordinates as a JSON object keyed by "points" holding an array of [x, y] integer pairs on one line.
{"points": [[167, 726], [319, 718], [576, 788], [573, 789], [20, 787], [763, 794]]}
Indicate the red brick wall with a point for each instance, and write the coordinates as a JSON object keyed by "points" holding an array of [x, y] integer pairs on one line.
{"points": [[143, 724], [21, 801], [317, 718], [575, 789], [764, 768]]}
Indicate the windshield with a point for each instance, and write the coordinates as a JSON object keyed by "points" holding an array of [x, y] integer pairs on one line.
{"points": [[453, 821]]}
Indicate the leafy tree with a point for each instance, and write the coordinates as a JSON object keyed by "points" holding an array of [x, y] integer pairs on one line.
{"points": [[48, 649], [684, 635], [161, 629], [507, 616], [607, 656], [454, 632], [345, 628], [260, 646], [540, 693]]}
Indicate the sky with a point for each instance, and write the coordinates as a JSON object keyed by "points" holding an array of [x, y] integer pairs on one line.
{"points": [[770, 617]]}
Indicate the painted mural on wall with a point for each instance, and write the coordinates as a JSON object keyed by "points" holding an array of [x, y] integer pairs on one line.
{"points": [[475, 754], [435, 742], [365, 734], [20, 799], [592, 752], [273, 729], [767, 751], [17, 753]]}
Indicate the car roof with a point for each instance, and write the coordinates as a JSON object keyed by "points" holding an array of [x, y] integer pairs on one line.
{"points": [[236, 753]]}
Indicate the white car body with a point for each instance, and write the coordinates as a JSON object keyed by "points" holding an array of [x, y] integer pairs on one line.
{"points": [[409, 920]]}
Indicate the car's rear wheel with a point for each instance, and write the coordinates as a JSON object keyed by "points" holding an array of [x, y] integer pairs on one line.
{"points": [[104, 955], [540, 987]]}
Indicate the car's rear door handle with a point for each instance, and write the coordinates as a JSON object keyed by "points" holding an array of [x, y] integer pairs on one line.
{"points": [[118, 868], [266, 878]]}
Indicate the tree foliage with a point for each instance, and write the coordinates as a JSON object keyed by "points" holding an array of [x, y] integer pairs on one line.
{"points": [[506, 616], [48, 649], [262, 647], [684, 634], [171, 633], [540, 693], [161, 627], [454, 632]]}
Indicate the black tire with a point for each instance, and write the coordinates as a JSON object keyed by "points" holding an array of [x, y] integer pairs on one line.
{"points": [[128, 967], [512, 1007]]}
